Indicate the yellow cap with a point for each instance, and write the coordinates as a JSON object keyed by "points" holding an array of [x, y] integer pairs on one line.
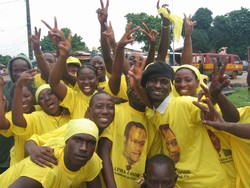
{"points": [[73, 60]]}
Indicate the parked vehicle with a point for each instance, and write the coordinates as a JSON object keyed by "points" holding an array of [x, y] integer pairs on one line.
{"points": [[204, 62]]}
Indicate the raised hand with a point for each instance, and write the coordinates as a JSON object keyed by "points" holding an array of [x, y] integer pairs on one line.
{"points": [[109, 33], [165, 21], [26, 76], [103, 12], [54, 33], [189, 25], [151, 34], [219, 79], [35, 39], [127, 37]]}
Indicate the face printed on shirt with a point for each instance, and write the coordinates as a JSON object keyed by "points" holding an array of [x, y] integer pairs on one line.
{"points": [[135, 139]]}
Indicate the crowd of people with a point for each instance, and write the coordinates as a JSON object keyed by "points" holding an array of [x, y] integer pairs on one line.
{"points": [[119, 121]]}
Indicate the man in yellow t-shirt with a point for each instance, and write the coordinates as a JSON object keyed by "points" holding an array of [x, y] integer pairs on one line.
{"points": [[77, 161]]}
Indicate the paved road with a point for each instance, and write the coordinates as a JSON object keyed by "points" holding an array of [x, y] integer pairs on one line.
{"points": [[240, 79]]}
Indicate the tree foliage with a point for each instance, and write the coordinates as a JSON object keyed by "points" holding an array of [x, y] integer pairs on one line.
{"points": [[153, 22], [5, 59], [231, 30], [77, 43]]}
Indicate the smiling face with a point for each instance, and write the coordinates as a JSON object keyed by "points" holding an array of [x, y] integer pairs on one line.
{"points": [[158, 89], [49, 102], [78, 150], [98, 63], [87, 81], [186, 82], [102, 110]]}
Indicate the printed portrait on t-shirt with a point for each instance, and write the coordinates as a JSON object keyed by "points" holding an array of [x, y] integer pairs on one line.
{"points": [[215, 141], [135, 137], [171, 142]]}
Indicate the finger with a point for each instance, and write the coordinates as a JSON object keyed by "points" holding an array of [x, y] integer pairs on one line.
{"points": [[200, 106], [110, 25], [223, 68], [107, 4], [55, 22], [146, 27], [135, 29], [39, 163], [102, 5], [215, 65], [143, 64], [157, 5], [48, 26]]}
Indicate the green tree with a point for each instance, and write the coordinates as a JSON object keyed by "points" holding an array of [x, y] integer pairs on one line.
{"points": [[5, 59], [153, 22], [200, 41], [76, 44], [203, 17]]}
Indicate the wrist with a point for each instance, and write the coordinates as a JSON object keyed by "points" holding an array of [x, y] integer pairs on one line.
{"points": [[165, 26]]}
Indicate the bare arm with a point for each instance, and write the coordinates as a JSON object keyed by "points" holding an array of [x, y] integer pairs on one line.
{"points": [[17, 106], [164, 42], [63, 46], [4, 123], [115, 79], [186, 57], [104, 149], [106, 51], [41, 61], [26, 182]]}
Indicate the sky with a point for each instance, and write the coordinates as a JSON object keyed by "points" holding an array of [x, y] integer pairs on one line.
{"points": [[81, 18]]}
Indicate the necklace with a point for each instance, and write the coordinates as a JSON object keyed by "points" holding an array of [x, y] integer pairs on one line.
{"points": [[59, 119]]}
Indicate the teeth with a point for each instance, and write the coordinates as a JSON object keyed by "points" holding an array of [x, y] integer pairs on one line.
{"points": [[104, 119]]}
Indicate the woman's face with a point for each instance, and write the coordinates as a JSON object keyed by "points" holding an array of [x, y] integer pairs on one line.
{"points": [[49, 102], [186, 82], [28, 99], [87, 81]]}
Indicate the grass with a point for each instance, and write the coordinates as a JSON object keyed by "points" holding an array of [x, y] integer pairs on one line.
{"points": [[240, 97]]}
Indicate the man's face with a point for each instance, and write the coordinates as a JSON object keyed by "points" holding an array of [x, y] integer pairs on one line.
{"points": [[50, 59], [160, 176], [102, 110], [158, 88], [78, 150], [172, 145], [18, 66], [134, 144]]}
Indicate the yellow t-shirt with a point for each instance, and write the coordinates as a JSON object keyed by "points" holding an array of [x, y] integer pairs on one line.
{"points": [[197, 163], [140, 142], [38, 81], [38, 122], [76, 102], [241, 152], [57, 177]]}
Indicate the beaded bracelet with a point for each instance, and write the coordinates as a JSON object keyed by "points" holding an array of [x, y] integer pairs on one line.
{"points": [[164, 26]]}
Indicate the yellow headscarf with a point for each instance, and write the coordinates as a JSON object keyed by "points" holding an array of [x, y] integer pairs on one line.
{"points": [[42, 87], [197, 73], [177, 20], [81, 125]]}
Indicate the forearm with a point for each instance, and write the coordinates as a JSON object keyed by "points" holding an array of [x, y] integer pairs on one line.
{"points": [[239, 130], [164, 43], [106, 51], [29, 146], [151, 54], [42, 64], [115, 79], [17, 108], [186, 57]]}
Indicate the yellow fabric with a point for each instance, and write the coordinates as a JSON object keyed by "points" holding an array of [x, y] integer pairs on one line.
{"points": [[82, 125], [38, 91], [241, 152], [38, 81], [197, 73], [76, 102], [57, 177], [73, 60], [198, 164], [115, 133], [177, 20], [35, 125], [123, 88]]}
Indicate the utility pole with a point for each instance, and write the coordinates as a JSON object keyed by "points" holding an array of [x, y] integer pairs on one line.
{"points": [[29, 29]]}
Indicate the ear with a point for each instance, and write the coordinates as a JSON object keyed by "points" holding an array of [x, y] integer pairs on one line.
{"points": [[87, 114]]}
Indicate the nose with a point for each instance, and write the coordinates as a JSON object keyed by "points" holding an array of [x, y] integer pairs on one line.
{"points": [[83, 146], [47, 97], [158, 84]]}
